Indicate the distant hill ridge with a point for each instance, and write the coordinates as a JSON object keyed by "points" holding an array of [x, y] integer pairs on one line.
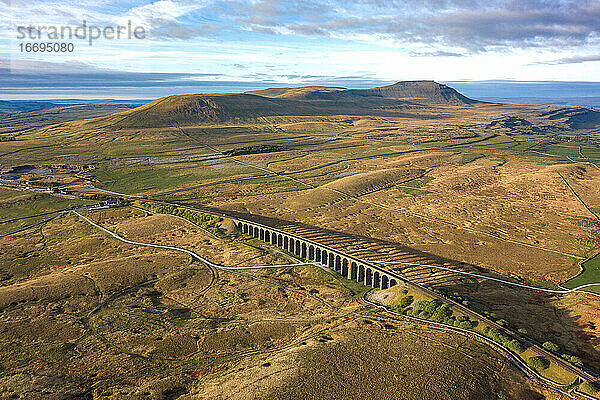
{"points": [[426, 92], [429, 91], [15, 106], [309, 100]]}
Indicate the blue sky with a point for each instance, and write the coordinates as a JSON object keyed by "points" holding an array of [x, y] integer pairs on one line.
{"points": [[229, 44]]}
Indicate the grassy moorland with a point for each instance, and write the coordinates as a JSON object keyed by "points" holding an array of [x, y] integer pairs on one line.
{"points": [[420, 181]]}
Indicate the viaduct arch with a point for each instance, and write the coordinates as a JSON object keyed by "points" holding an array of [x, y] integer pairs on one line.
{"points": [[350, 267]]}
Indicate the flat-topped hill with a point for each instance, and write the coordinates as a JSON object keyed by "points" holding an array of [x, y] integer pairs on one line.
{"points": [[310, 100], [424, 92]]}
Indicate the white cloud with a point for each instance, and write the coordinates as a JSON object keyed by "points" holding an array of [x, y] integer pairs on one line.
{"points": [[159, 13]]}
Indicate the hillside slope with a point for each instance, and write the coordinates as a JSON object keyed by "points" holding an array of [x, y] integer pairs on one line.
{"points": [[58, 114], [574, 117], [182, 110], [200, 108], [428, 92], [422, 92], [10, 107]]}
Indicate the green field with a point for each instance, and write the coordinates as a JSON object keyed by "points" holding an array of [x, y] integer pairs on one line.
{"points": [[25, 210], [138, 179], [8, 193], [470, 157], [590, 152], [590, 274]]}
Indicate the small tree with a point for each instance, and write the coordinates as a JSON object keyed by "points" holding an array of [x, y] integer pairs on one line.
{"points": [[498, 337], [576, 361], [551, 346], [418, 306], [406, 301], [538, 363], [515, 346], [441, 314], [467, 325]]}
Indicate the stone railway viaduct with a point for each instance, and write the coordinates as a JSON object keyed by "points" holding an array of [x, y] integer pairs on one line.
{"points": [[348, 266], [374, 275]]}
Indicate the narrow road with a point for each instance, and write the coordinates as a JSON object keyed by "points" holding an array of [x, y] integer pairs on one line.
{"points": [[466, 311], [30, 225], [208, 262], [522, 366], [535, 347], [565, 291]]}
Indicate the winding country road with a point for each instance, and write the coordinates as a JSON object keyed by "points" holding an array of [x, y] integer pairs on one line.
{"points": [[523, 367], [534, 346], [208, 262]]}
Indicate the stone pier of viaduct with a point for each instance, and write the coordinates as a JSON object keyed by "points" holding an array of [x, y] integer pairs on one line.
{"points": [[348, 266]]}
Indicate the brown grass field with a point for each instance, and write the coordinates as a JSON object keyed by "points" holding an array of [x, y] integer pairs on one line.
{"points": [[83, 314]]}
